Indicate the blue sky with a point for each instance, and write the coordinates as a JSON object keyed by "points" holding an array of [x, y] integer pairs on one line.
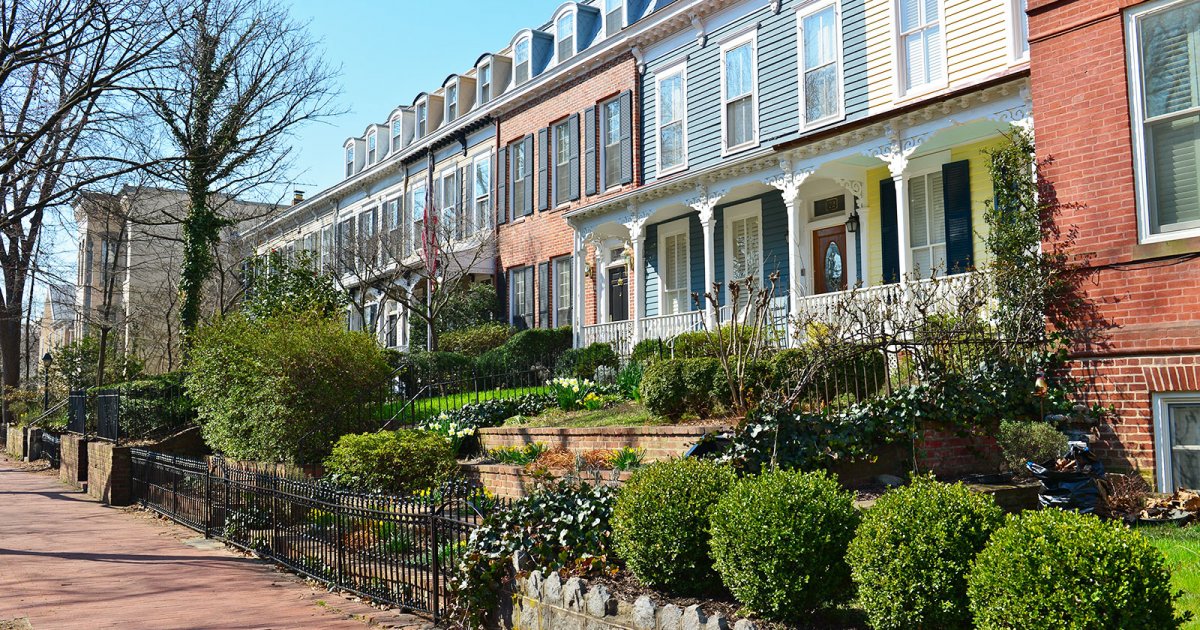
{"points": [[391, 50]]}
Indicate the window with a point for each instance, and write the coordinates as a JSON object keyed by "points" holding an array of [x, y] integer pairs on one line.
{"points": [[418, 219], [562, 163], [927, 224], [920, 44], [1020, 29], [371, 148], [521, 59], [395, 214], [448, 195], [1177, 440], [674, 261], [820, 66], [422, 117], [613, 16], [521, 298], [565, 32], [397, 139], [485, 83], [562, 291], [349, 159], [610, 119], [393, 328], [370, 317], [346, 246], [327, 251], [1164, 69], [517, 151], [672, 108], [451, 102], [367, 246], [743, 244], [483, 194], [738, 77]]}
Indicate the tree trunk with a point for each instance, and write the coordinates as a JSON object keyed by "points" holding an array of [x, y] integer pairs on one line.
{"points": [[10, 351], [103, 356], [201, 230]]}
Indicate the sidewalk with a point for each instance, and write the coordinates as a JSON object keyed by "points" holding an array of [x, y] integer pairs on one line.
{"points": [[67, 562]]}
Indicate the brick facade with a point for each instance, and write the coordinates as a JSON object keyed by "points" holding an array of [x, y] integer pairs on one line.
{"points": [[110, 473], [73, 456], [545, 235], [1150, 292]]}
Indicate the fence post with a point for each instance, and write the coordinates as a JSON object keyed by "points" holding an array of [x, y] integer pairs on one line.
{"points": [[225, 505], [207, 500], [274, 513], [175, 493], [337, 519], [437, 566]]}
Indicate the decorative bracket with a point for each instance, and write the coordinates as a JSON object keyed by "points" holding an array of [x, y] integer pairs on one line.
{"points": [[640, 58], [706, 202], [897, 151], [856, 187], [701, 32], [790, 180]]}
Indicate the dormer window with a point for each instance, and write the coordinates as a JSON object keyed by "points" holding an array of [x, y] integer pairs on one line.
{"points": [[485, 83], [422, 118], [613, 16], [349, 160], [565, 31], [371, 148], [396, 137], [521, 58], [451, 102]]}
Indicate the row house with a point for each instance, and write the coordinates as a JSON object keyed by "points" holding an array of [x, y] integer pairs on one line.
{"points": [[839, 143], [1116, 88]]}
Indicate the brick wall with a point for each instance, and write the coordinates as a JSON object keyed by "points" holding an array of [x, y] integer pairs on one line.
{"points": [[545, 235], [508, 481], [659, 442], [73, 453], [1149, 292], [110, 473]]}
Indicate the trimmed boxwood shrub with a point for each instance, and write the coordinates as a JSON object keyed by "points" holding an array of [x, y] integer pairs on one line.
{"points": [[673, 387], [702, 343], [912, 552], [660, 523], [649, 350], [1060, 569], [582, 362], [476, 340], [779, 542], [425, 366], [391, 461]]}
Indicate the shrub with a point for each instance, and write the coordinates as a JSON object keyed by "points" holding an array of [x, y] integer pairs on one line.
{"points": [[155, 406], [649, 350], [391, 461], [857, 371], [1022, 441], [660, 523], [582, 362], [912, 551], [1060, 569], [673, 387], [703, 343], [476, 340], [779, 542], [281, 389], [427, 367], [537, 346]]}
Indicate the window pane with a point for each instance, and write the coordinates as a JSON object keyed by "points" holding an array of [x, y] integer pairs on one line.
{"points": [[820, 46], [820, 93], [738, 71], [671, 99], [1175, 173], [933, 54], [483, 177], [1169, 41], [914, 60], [612, 123], [522, 52], [740, 117], [909, 15], [671, 137]]}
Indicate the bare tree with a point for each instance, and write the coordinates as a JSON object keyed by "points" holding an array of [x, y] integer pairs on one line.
{"points": [[244, 77]]}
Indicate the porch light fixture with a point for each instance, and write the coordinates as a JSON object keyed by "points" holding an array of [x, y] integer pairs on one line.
{"points": [[852, 222]]}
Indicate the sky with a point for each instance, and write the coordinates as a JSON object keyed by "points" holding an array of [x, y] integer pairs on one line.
{"points": [[389, 51]]}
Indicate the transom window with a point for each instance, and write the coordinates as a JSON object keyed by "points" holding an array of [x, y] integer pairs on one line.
{"points": [[485, 83], [672, 103], [820, 83], [483, 189], [371, 148], [611, 134], [738, 95], [920, 43], [674, 275], [613, 16], [451, 102], [927, 224], [521, 60], [565, 32], [422, 118], [1164, 46], [562, 163], [350, 160]]}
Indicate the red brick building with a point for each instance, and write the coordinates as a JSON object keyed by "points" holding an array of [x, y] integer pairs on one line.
{"points": [[1116, 98]]}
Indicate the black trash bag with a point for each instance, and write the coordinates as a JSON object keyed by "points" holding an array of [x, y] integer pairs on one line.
{"points": [[1070, 490]]}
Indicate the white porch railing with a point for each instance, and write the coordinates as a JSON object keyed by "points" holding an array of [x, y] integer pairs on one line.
{"points": [[617, 334], [667, 326]]}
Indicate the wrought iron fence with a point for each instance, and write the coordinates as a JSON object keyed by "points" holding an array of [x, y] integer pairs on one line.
{"points": [[77, 412], [50, 448], [393, 549], [130, 411]]}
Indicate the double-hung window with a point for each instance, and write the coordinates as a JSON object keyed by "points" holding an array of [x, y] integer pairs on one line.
{"points": [[1163, 40], [674, 267], [610, 134], [820, 65], [521, 297], [739, 93], [451, 102], [562, 291], [483, 194], [672, 108], [366, 249], [418, 219], [327, 251], [393, 328], [565, 32], [1177, 440], [485, 83], [1019, 29], [517, 180], [395, 238], [422, 118], [920, 44], [371, 148], [397, 129], [349, 160], [521, 61], [562, 163], [614, 16], [743, 245], [448, 195], [346, 246], [927, 224]]}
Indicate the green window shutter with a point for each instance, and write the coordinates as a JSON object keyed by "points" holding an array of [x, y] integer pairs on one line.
{"points": [[889, 236], [626, 137], [956, 193], [527, 209], [589, 151], [573, 136], [543, 182]]}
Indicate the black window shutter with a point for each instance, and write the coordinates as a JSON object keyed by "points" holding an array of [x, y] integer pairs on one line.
{"points": [[956, 191], [571, 283], [626, 137], [589, 151], [511, 300], [501, 175], [529, 308], [889, 244], [573, 137], [529, 158], [544, 294], [543, 182]]}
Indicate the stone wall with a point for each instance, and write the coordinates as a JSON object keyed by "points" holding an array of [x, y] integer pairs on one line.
{"points": [[550, 604], [73, 452], [110, 473], [659, 442], [15, 442]]}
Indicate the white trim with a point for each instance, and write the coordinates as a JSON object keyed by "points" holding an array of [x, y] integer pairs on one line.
{"points": [[679, 68], [1137, 118], [372, 136], [527, 38], [564, 11], [555, 295], [742, 210], [602, 148], [801, 13], [447, 118], [1162, 435], [479, 83], [750, 37], [898, 56], [604, 19], [422, 105], [677, 227], [484, 157], [1013, 15]]}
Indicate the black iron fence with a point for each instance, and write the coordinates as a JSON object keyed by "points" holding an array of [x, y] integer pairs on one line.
{"points": [[136, 410], [392, 549], [50, 448]]}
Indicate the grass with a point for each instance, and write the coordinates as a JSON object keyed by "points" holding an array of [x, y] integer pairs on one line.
{"points": [[429, 407], [1181, 546], [625, 414]]}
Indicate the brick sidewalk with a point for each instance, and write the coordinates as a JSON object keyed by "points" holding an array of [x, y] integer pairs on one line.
{"points": [[67, 562]]}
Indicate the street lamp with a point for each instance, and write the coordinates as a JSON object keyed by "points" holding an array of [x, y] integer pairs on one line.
{"points": [[47, 360]]}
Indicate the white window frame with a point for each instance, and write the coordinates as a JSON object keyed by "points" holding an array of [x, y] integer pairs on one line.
{"points": [[1018, 50], [733, 213], [733, 42], [1162, 435], [666, 230], [560, 196], [679, 69], [1137, 118], [556, 291], [623, 18], [415, 234], [908, 178], [528, 273], [481, 221], [396, 131], [350, 159], [804, 12], [528, 41], [372, 147], [603, 129], [482, 85], [422, 116], [448, 214], [516, 169], [451, 101], [558, 58], [898, 56]]}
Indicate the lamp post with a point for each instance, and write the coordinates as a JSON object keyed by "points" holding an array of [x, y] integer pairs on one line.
{"points": [[47, 360], [852, 227]]}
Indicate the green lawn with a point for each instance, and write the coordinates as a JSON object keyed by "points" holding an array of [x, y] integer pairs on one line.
{"points": [[1181, 546], [626, 414], [429, 407]]}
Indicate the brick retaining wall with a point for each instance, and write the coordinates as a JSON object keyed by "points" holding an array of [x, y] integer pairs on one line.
{"points": [[15, 442], [660, 442], [110, 473], [506, 480], [73, 454]]}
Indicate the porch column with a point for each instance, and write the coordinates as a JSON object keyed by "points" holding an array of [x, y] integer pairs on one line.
{"points": [[705, 204], [579, 290], [857, 188], [902, 221], [637, 238], [789, 185], [601, 280]]}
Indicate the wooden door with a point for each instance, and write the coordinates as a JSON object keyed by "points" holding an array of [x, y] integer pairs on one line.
{"points": [[829, 259], [618, 294]]}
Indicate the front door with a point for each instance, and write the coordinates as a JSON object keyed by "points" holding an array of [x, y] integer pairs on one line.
{"points": [[618, 294], [829, 259]]}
